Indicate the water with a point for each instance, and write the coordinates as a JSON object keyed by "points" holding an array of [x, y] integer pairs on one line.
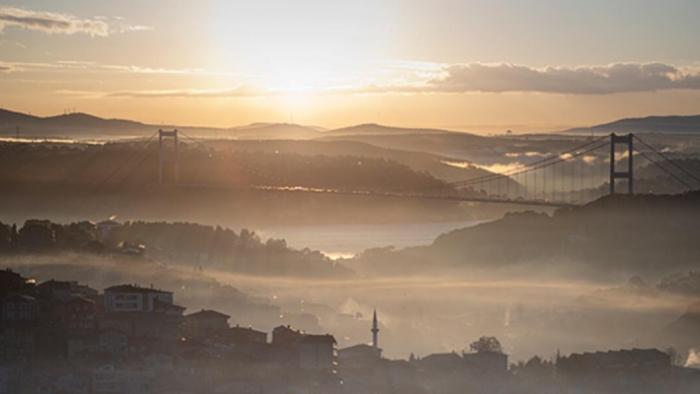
{"points": [[348, 239]]}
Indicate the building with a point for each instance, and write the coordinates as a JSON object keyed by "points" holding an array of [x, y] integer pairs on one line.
{"points": [[487, 362], [132, 298], [358, 356], [113, 379], [285, 335], [636, 362], [239, 336], [79, 316], [18, 309], [12, 282], [205, 323], [317, 352], [113, 342]]}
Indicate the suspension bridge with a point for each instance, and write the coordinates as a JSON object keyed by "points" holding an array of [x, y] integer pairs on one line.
{"points": [[597, 167]]}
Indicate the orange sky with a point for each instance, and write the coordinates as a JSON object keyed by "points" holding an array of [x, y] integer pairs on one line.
{"points": [[479, 66]]}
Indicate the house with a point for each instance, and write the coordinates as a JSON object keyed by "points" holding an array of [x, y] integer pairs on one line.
{"points": [[168, 309], [113, 342], [132, 298], [635, 362], [442, 362], [79, 316], [57, 290], [82, 345], [143, 325], [17, 343], [285, 335], [11, 282], [205, 323], [239, 336], [358, 356], [317, 352], [74, 383], [487, 362], [18, 309], [113, 379]]}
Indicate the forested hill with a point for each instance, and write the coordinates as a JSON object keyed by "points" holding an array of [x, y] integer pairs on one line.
{"points": [[188, 245], [626, 235], [119, 166]]}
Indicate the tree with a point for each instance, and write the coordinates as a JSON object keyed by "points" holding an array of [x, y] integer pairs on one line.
{"points": [[676, 358], [534, 368], [486, 345]]}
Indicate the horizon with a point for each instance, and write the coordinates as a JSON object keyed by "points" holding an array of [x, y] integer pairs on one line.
{"points": [[468, 129]]}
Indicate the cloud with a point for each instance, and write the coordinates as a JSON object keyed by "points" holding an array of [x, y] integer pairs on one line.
{"points": [[9, 67], [54, 23], [239, 91], [51, 23], [610, 79]]}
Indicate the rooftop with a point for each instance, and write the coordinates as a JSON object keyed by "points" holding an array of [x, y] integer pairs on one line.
{"points": [[129, 288], [207, 314]]}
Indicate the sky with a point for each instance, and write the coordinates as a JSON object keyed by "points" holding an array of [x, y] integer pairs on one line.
{"points": [[471, 65]]}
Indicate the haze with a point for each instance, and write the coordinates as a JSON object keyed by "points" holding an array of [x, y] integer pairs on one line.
{"points": [[476, 66]]}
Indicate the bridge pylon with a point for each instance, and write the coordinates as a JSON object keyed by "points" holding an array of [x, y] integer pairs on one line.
{"points": [[629, 174], [168, 158]]}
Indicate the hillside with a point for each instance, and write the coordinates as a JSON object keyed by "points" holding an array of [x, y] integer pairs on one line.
{"points": [[615, 236], [650, 124], [418, 161]]}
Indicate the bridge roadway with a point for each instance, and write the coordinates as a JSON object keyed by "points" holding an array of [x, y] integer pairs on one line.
{"points": [[301, 189]]}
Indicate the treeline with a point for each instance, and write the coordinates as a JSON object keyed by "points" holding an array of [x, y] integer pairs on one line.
{"points": [[216, 248], [200, 247]]}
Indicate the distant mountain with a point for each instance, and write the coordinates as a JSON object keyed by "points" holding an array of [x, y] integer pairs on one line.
{"points": [[650, 124], [375, 129], [81, 125], [265, 131], [70, 125]]}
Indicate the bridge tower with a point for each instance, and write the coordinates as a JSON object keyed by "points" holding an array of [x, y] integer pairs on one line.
{"points": [[168, 158], [629, 174]]}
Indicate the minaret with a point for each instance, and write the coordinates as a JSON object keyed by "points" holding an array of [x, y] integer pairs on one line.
{"points": [[375, 331]]}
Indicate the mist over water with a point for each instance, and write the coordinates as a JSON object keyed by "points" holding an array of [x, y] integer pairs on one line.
{"points": [[346, 240]]}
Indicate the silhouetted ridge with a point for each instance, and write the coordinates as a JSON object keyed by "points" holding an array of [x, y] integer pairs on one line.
{"points": [[649, 124]]}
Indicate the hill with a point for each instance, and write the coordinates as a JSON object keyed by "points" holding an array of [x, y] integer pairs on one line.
{"points": [[375, 129], [270, 131], [435, 165], [74, 125], [86, 126], [650, 124], [615, 236]]}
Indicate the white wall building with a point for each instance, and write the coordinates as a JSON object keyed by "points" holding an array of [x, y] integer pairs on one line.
{"points": [[131, 298]]}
